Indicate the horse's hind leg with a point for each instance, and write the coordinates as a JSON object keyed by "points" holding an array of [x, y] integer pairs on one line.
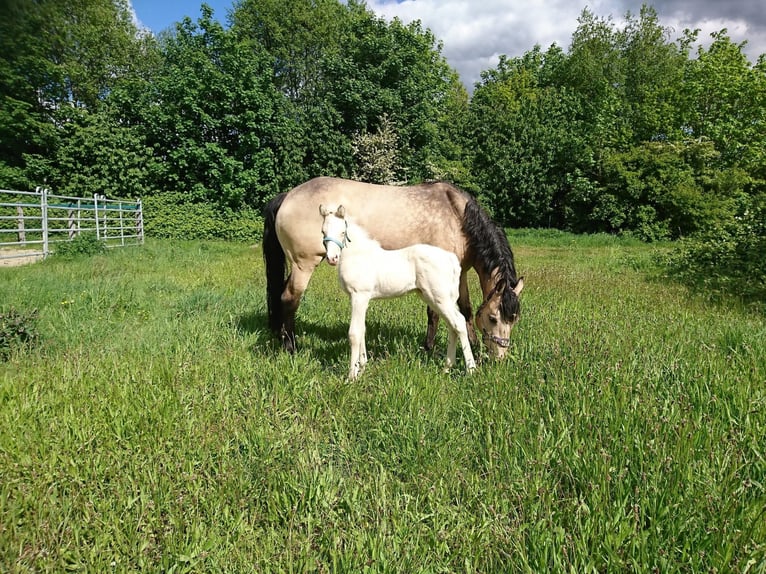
{"points": [[291, 299]]}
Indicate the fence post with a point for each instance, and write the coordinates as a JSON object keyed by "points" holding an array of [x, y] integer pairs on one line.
{"points": [[106, 218], [70, 223], [122, 227], [95, 213], [140, 221], [44, 218], [22, 232]]}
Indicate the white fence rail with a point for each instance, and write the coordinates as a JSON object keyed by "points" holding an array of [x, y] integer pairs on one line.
{"points": [[32, 222]]}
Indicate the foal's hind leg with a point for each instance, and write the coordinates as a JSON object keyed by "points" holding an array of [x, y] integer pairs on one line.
{"points": [[464, 304]]}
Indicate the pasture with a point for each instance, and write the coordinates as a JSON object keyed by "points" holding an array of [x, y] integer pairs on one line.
{"points": [[158, 427]]}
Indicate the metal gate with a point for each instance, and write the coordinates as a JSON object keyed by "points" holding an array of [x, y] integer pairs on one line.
{"points": [[32, 222]]}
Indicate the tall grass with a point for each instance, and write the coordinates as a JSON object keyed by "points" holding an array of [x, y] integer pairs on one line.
{"points": [[158, 427]]}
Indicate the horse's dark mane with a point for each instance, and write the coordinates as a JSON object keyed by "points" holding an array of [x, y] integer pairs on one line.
{"points": [[491, 252]]}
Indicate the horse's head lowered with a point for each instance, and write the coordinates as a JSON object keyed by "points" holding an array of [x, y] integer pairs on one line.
{"points": [[334, 231], [497, 315]]}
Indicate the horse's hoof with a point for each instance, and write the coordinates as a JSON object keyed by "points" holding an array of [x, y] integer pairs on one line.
{"points": [[289, 347]]}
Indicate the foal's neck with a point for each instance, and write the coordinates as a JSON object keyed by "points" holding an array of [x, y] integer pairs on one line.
{"points": [[357, 237]]}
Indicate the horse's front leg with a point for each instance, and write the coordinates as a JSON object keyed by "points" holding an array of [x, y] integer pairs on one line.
{"points": [[464, 304], [356, 334], [433, 324]]}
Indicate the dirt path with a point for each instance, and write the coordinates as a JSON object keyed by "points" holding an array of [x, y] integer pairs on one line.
{"points": [[21, 257]]}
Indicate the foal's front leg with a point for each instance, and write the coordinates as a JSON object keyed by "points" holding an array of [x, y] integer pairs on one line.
{"points": [[451, 346], [457, 331], [356, 334]]}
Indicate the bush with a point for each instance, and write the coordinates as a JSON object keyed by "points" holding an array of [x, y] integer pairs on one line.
{"points": [[82, 244], [17, 331], [728, 257], [173, 216]]}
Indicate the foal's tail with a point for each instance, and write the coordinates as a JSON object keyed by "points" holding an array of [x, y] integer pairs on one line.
{"points": [[276, 263]]}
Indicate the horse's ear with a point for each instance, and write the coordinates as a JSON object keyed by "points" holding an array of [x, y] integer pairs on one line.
{"points": [[323, 210], [519, 286], [341, 211]]}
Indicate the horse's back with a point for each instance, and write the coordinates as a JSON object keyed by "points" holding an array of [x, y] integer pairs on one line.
{"points": [[395, 216]]}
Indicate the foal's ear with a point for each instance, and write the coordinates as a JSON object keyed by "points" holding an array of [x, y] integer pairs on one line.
{"points": [[519, 286], [323, 210], [341, 211]]}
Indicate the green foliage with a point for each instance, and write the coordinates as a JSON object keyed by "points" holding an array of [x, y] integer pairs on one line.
{"points": [[728, 257], [174, 215], [375, 154], [524, 141], [56, 56], [18, 331], [83, 244], [98, 154]]}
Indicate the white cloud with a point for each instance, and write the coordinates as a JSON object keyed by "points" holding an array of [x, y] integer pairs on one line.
{"points": [[474, 33], [142, 28]]}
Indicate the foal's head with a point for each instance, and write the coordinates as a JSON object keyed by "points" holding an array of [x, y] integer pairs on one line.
{"points": [[334, 230]]}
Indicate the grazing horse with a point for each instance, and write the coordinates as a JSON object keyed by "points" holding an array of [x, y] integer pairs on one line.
{"points": [[367, 271], [437, 213]]}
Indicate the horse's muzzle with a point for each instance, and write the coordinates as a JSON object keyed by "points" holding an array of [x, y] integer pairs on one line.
{"points": [[503, 342]]}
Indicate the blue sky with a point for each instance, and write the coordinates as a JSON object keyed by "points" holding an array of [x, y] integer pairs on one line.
{"points": [[476, 32], [160, 14]]}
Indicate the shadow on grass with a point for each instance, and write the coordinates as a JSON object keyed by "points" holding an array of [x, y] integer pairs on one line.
{"points": [[328, 342]]}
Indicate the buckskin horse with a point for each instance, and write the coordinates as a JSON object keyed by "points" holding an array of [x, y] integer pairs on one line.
{"points": [[435, 213]]}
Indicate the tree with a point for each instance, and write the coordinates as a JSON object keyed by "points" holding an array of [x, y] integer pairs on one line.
{"points": [[725, 100], [219, 129], [343, 69], [375, 154], [525, 139], [59, 55], [653, 74]]}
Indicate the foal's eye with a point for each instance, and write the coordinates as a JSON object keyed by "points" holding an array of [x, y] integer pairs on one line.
{"points": [[493, 319]]}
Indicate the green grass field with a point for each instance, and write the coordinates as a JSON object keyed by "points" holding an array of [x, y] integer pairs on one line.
{"points": [[157, 426]]}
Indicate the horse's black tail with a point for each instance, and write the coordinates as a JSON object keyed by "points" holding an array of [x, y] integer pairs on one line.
{"points": [[276, 263]]}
